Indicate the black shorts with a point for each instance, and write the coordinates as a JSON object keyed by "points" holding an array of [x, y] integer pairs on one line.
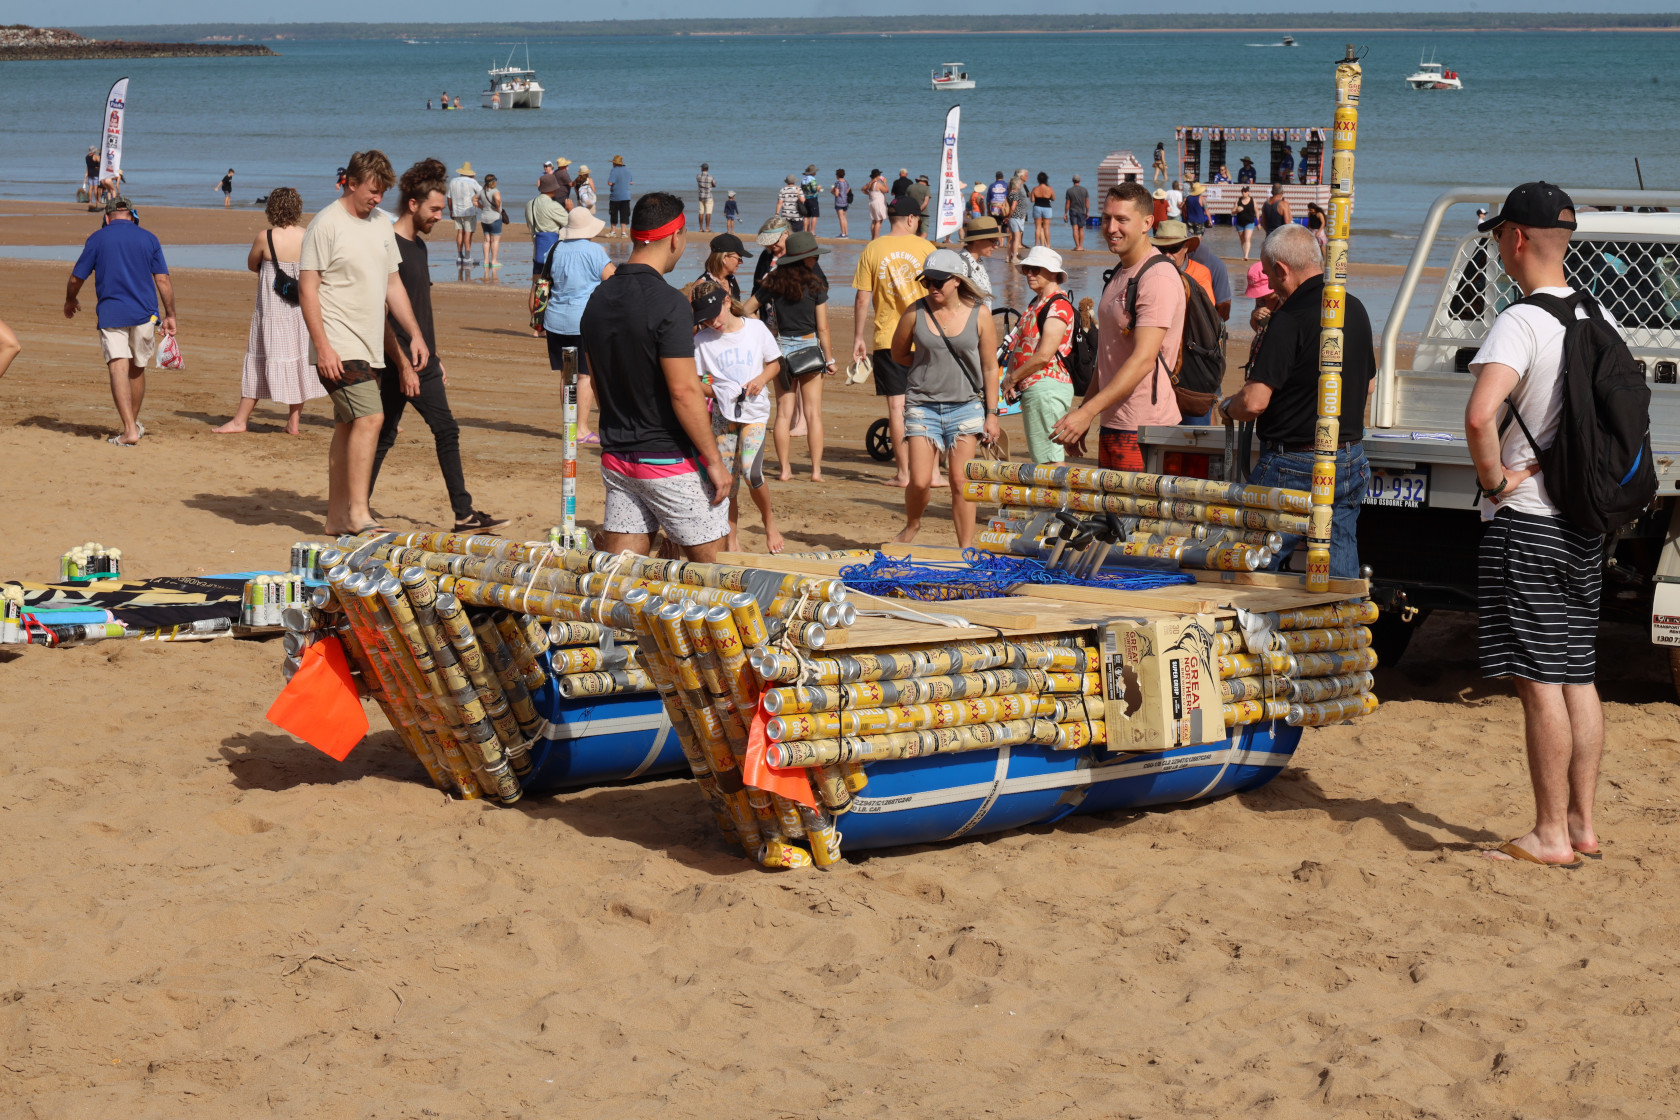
{"points": [[559, 342], [811, 209], [1538, 588], [618, 213], [891, 379]]}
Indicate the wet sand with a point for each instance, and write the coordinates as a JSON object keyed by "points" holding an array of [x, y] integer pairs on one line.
{"points": [[205, 918]]}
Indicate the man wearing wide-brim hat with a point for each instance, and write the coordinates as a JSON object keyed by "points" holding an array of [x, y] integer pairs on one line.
{"points": [[980, 239], [464, 195], [1245, 173], [1175, 240]]}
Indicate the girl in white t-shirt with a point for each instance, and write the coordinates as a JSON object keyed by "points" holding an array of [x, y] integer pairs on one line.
{"points": [[737, 358]]}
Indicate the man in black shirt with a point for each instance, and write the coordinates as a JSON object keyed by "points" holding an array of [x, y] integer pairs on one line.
{"points": [[659, 460], [902, 184], [422, 204], [1281, 394]]}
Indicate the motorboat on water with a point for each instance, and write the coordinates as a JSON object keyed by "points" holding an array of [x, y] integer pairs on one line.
{"points": [[1288, 41], [1432, 75], [951, 75], [512, 87]]}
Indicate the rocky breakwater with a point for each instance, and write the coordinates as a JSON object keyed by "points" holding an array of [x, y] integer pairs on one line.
{"points": [[19, 43]]}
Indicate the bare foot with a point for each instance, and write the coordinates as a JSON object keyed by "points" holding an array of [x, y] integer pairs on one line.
{"points": [[908, 535], [897, 480], [291, 429], [774, 540], [785, 476], [816, 476], [230, 428]]}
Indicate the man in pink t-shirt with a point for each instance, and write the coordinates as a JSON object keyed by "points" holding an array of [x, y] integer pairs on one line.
{"points": [[1137, 347]]}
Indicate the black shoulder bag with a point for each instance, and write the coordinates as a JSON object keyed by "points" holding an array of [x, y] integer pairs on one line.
{"points": [[285, 286]]}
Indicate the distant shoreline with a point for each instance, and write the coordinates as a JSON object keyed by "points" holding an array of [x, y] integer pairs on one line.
{"points": [[124, 49], [1297, 23]]}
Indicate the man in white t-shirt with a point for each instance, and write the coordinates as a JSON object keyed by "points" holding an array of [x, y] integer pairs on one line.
{"points": [[347, 280], [1175, 202], [1539, 574], [464, 196]]}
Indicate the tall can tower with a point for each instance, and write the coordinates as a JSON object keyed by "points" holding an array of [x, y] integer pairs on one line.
{"points": [[1332, 317]]}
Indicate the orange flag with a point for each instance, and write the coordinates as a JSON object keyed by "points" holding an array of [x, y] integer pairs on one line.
{"points": [[320, 704], [792, 783]]}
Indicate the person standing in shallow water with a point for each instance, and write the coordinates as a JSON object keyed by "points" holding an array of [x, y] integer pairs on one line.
{"points": [[277, 350]]}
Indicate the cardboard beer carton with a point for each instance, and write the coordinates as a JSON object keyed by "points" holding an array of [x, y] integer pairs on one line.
{"points": [[1161, 683]]}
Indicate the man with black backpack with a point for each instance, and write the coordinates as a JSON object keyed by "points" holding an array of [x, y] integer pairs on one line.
{"points": [[1140, 322], [1281, 394], [1201, 359], [1570, 463]]}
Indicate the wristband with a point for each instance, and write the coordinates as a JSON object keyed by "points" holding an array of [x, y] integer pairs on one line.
{"points": [[1504, 481]]}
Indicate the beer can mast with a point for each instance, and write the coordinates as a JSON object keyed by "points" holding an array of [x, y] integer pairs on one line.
{"points": [[1332, 318], [569, 453]]}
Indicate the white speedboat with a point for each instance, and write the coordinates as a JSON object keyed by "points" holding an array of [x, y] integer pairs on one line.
{"points": [[951, 75], [512, 87], [1288, 41], [1432, 75]]}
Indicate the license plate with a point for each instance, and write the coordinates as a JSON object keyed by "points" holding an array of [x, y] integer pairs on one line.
{"points": [[1398, 489]]}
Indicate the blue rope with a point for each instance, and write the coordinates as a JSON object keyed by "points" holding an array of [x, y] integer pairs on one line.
{"points": [[985, 575]]}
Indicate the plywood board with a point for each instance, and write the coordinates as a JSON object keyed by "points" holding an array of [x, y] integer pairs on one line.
{"points": [[1340, 588]]}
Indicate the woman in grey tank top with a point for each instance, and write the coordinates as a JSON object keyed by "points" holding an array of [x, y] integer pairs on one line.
{"points": [[949, 345]]}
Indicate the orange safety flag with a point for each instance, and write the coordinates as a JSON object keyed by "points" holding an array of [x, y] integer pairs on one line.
{"points": [[792, 783], [320, 704]]}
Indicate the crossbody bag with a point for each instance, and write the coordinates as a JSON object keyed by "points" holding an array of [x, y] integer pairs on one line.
{"points": [[285, 285]]}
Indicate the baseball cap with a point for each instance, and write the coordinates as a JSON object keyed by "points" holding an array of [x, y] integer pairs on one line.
{"points": [[729, 243], [120, 202], [903, 207], [707, 304], [1539, 205]]}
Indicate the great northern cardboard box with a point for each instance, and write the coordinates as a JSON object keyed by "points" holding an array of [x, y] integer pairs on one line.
{"points": [[1160, 684]]}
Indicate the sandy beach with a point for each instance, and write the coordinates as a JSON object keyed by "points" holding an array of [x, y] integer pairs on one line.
{"points": [[207, 918]]}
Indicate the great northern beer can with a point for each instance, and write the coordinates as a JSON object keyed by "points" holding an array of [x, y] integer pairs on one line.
{"points": [[1335, 261], [1341, 170]]}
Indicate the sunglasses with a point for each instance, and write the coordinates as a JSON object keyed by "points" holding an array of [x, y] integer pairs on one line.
{"points": [[936, 279]]}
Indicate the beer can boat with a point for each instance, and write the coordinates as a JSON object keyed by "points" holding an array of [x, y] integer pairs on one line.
{"points": [[949, 796]]}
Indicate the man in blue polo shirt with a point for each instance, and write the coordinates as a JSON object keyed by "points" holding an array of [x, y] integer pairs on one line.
{"points": [[130, 279]]}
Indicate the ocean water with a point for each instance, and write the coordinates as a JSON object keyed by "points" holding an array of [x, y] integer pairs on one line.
{"points": [[1571, 108]]}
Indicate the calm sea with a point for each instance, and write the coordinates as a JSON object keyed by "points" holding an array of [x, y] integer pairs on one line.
{"points": [[1572, 108]]}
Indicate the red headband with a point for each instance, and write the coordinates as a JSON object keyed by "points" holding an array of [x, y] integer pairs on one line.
{"points": [[675, 225]]}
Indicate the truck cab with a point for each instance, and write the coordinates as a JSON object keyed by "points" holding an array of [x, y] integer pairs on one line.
{"points": [[1420, 529]]}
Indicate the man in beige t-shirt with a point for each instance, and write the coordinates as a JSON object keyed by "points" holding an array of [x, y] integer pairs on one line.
{"points": [[886, 278], [347, 278]]}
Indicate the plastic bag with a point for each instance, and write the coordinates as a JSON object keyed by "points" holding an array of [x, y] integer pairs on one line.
{"points": [[169, 354]]}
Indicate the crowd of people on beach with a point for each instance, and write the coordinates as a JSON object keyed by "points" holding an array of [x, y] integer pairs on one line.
{"points": [[683, 378]]}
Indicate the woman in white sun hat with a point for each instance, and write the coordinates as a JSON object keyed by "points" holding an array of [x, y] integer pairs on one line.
{"points": [[1036, 354]]}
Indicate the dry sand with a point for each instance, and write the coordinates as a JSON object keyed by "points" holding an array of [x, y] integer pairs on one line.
{"points": [[204, 918]]}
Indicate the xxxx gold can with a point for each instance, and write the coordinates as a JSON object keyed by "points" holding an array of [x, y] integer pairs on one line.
{"points": [[1346, 134], [1318, 525], [1341, 170], [1331, 350], [1330, 394], [1349, 77], [1340, 217], [1318, 568], [781, 855], [1327, 430], [1323, 482], [1332, 308]]}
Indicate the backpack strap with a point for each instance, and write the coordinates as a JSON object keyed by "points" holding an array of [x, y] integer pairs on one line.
{"points": [[1561, 308], [1131, 322]]}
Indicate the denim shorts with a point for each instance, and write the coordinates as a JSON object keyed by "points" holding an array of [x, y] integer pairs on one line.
{"points": [[944, 424], [1017, 225], [1041, 212]]}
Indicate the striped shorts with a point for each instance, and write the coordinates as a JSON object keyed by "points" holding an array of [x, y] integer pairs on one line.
{"points": [[1538, 589]]}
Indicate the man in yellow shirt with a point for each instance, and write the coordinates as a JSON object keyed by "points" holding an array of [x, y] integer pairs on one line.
{"points": [[886, 280]]}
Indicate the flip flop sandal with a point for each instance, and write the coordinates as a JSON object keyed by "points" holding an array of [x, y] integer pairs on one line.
{"points": [[1521, 855], [117, 441]]}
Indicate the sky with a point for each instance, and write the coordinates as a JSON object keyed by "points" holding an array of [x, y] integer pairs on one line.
{"points": [[87, 13]]}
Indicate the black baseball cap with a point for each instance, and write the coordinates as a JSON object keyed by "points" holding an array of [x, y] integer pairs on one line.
{"points": [[904, 207], [1536, 205], [706, 305], [729, 243]]}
